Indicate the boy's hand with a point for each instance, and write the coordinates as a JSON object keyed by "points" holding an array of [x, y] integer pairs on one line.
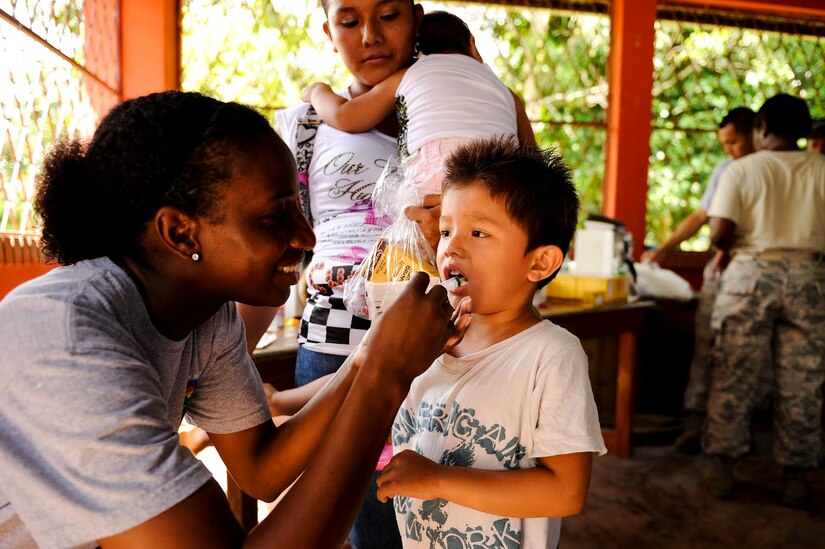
{"points": [[272, 396], [306, 95], [462, 315], [409, 474]]}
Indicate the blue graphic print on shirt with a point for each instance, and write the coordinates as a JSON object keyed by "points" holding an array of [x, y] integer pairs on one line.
{"points": [[470, 438]]}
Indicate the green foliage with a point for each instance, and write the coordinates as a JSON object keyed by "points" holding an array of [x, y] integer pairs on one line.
{"points": [[702, 72], [267, 51], [557, 62], [262, 55]]}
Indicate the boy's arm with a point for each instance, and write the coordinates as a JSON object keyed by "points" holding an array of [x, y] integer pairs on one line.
{"points": [[557, 488], [289, 402], [525, 129], [359, 114]]}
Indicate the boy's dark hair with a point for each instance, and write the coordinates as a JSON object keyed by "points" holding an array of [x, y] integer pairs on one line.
{"points": [[443, 32], [742, 119], [165, 149], [785, 116], [534, 184]]}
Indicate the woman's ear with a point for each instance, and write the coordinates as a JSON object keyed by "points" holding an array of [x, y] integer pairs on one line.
{"points": [[178, 232], [546, 260], [326, 31], [418, 13]]}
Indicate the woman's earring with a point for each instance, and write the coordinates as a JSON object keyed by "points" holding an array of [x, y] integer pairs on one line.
{"points": [[416, 49], [196, 256]]}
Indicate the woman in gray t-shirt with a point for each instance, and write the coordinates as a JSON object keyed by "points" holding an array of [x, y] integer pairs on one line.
{"points": [[179, 206]]}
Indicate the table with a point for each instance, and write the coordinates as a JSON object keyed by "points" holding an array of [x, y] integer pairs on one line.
{"points": [[622, 320], [276, 364]]}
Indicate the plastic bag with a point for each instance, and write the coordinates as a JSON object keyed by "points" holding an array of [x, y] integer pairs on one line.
{"points": [[400, 251], [654, 281]]}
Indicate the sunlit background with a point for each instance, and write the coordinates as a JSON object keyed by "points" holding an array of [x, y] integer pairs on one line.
{"points": [[263, 53]]}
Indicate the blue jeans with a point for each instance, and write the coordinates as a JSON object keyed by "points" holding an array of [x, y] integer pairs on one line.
{"points": [[375, 526]]}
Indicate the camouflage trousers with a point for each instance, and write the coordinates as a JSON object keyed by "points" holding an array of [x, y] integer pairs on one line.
{"points": [[769, 312], [699, 373], [698, 386]]}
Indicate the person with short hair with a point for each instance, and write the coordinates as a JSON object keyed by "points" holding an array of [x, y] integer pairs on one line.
{"points": [[736, 136], [495, 441], [179, 206], [767, 216]]}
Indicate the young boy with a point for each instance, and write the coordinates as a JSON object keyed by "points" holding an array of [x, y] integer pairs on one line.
{"points": [[495, 440], [447, 97]]}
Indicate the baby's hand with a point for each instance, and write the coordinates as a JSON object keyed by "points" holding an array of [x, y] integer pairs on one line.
{"points": [[307, 93], [409, 474]]}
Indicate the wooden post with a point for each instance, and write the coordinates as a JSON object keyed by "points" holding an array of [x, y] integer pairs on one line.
{"points": [[630, 75], [150, 46]]}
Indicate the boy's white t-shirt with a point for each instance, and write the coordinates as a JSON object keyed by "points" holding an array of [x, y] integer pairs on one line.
{"points": [[501, 408], [451, 95]]}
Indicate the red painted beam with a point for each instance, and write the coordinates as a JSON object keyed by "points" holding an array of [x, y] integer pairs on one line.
{"points": [[786, 8], [630, 75], [150, 46]]}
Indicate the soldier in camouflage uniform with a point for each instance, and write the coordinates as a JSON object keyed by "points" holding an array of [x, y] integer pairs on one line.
{"points": [[735, 135], [771, 303]]}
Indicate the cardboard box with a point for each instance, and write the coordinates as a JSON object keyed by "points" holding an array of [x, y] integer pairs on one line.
{"points": [[589, 289]]}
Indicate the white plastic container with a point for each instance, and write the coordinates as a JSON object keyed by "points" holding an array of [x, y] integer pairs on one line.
{"points": [[595, 249], [381, 295]]}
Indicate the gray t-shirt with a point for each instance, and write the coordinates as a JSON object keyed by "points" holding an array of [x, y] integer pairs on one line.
{"points": [[707, 198], [91, 398]]}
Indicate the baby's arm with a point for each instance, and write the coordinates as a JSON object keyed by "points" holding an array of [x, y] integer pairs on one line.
{"points": [[525, 129], [359, 114], [556, 488]]}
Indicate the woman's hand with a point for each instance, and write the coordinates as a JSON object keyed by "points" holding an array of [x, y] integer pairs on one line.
{"points": [[409, 474], [461, 318], [427, 216], [306, 95], [410, 334]]}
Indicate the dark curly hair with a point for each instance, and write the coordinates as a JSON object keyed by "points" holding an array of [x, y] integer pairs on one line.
{"points": [[534, 184], [165, 149]]}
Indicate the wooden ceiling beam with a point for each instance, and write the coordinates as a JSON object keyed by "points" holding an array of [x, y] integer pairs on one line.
{"points": [[808, 9]]}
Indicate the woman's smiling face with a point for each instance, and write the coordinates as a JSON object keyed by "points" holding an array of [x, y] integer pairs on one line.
{"points": [[254, 250], [375, 38]]}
